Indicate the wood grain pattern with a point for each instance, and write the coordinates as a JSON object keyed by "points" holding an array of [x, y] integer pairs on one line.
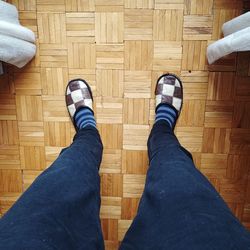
{"points": [[135, 136], [216, 140], [57, 134], [7, 200], [8, 108], [80, 5], [80, 25], [198, 7], [169, 4], [109, 226], [190, 138], [138, 25], [138, 4], [111, 135], [121, 48], [51, 27], [138, 55], [133, 185], [11, 181], [168, 25], [110, 83], [109, 27], [110, 56], [53, 55], [31, 133], [109, 110], [195, 84], [50, 6], [111, 208], [81, 55], [9, 157], [29, 108], [111, 161], [137, 84], [32, 157], [109, 5], [8, 132], [136, 111], [134, 162], [25, 5], [54, 80], [194, 55], [167, 56], [221, 86], [219, 114], [111, 185], [27, 83], [197, 27]]}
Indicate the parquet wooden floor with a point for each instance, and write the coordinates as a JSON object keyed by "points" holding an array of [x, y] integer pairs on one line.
{"points": [[121, 47]]}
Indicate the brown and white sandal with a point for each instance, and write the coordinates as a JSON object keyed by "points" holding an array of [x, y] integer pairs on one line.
{"points": [[169, 91], [78, 95]]}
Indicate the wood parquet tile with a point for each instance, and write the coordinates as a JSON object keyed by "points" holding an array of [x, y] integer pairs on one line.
{"points": [[121, 47]]}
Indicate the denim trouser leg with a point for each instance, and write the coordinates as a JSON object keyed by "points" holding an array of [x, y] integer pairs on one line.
{"points": [[179, 208], [60, 210]]}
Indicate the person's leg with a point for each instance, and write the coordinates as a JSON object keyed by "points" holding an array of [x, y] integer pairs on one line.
{"points": [[60, 210], [179, 208]]}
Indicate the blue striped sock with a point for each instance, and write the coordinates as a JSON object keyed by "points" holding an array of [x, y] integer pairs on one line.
{"points": [[167, 114], [84, 117]]}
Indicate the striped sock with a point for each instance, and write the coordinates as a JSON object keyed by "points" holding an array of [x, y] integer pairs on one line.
{"points": [[166, 113], [84, 117]]}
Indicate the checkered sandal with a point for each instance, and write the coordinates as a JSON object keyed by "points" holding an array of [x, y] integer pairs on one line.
{"points": [[169, 91], [78, 95]]}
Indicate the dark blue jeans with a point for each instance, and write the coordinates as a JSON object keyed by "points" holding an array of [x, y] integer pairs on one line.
{"points": [[179, 208]]}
